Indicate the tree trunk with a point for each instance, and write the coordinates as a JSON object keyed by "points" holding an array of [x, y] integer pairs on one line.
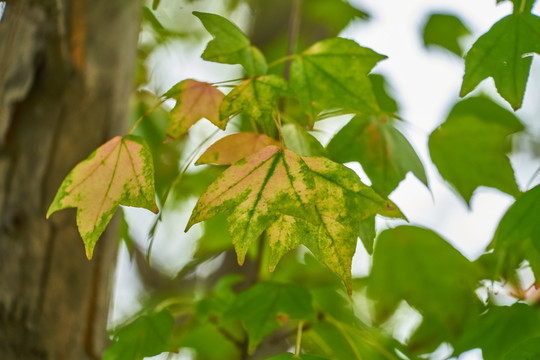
{"points": [[65, 79]]}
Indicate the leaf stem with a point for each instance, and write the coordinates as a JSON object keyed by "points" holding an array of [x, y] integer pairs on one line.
{"points": [[298, 340], [294, 28], [277, 120], [143, 116], [522, 6], [281, 60]]}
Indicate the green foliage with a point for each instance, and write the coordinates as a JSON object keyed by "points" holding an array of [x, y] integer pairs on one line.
{"points": [[445, 30], [279, 196], [470, 147]]}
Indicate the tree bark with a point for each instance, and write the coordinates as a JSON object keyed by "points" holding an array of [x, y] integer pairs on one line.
{"points": [[65, 79]]}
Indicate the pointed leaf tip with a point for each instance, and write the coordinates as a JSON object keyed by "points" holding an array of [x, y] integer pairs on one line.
{"points": [[120, 172]]}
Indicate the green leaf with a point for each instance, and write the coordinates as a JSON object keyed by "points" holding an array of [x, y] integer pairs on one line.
{"points": [[418, 266], [384, 153], [469, 148], [505, 54], [524, 350], [119, 172], [266, 307], [520, 6], [301, 142], [502, 331], [231, 148], [367, 233], [312, 201], [208, 342], [333, 74], [518, 235], [230, 45], [445, 30], [194, 100], [385, 101], [290, 356], [147, 335], [256, 97]]}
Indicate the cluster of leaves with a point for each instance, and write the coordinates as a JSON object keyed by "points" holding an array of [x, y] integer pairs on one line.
{"points": [[281, 188]]}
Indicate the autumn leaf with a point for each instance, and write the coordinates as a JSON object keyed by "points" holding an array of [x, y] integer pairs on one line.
{"points": [[194, 100], [333, 74], [231, 148], [311, 201], [120, 172], [230, 45], [254, 97], [505, 54]]}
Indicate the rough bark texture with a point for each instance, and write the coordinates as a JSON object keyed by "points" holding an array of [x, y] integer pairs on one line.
{"points": [[65, 79]]}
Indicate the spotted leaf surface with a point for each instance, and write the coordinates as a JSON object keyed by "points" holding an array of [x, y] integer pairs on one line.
{"points": [[311, 201], [231, 148], [230, 45], [254, 97], [120, 172], [333, 74], [194, 100]]}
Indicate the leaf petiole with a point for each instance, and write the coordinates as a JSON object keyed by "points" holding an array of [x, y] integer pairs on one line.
{"points": [[143, 116], [298, 339]]}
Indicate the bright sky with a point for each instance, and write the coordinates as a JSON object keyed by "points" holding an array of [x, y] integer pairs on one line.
{"points": [[426, 85]]}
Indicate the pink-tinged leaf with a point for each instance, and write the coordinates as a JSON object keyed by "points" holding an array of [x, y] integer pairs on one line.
{"points": [[195, 100], [230, 149], [120, 172], [311, 201]]}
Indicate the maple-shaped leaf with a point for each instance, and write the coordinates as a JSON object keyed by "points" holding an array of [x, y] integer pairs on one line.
{"points": [[230, 45], [255, 97], [505, 54], [231, 148], [194, 100], [384, 153], [265, 307], [310, 201], [445, 31], [333, 74], [119, 172], [469, 148]]}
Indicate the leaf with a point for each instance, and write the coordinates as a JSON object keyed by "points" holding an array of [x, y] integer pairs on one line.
{"points": [[524, 350], [342, 13], [367, 233], [119, 172], [319, 78], [296, 200], [147, 335], [384, 153], [505, 54], [469, 148], [518, 235], [301, 142], [385, 101], [231, 148], [444, 30], [195, 100], [230, 45], [418, 266], [263, 308], [255, 97], [501, 331]]}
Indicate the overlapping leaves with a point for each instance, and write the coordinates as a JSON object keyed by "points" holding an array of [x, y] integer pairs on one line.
{"points": [[310, 200]]}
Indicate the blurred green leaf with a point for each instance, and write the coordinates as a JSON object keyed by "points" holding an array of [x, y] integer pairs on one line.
{"points": [[319, 80], [385, 101], [418, 266], [290, 356], [301, 142], [208, 342], [267, 306], [505, 54], [470, 147], [445, 30], [384, 153], [367, 233], [147, 335], [230, 45], [502, 331]]}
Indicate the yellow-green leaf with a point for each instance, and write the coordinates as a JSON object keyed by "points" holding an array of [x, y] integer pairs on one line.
{"points": [[230, 149], [194, 100], [120, 172], [311, 201], [254, 97], [333, 74]]}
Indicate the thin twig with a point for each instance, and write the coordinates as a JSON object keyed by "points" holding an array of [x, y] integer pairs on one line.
{"points": [[138, 122]]}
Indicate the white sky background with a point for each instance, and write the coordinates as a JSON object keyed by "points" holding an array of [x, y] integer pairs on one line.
{"points": [[426, 85]]}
